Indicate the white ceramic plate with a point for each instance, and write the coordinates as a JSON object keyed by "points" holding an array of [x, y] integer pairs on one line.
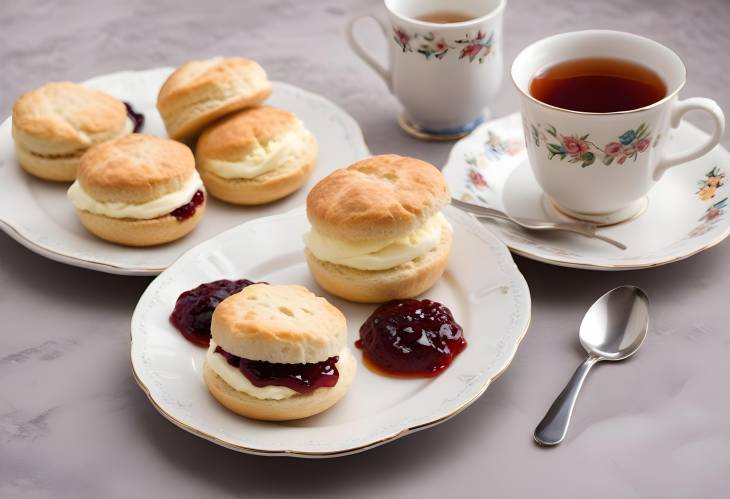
{"points": [[482, 286], [38, 215], [686, 214]]}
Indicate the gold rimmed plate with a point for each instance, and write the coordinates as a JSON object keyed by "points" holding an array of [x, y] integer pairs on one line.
{"points": [[38, 215], [482, 286]]}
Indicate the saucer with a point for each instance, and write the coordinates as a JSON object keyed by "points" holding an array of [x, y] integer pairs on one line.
{"points": [[686, 212]]}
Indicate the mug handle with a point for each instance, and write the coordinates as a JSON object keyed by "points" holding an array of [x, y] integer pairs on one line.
{"points": [[355, 46], [680, 109]]}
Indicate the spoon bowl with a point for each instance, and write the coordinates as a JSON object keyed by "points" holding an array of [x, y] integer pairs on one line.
{"points": [[616, 324]]}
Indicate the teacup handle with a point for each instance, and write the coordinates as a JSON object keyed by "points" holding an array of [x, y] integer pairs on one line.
{"points": [[680, 109], [355, 46]]}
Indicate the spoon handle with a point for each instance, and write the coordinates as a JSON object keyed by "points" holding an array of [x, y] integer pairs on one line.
{"points": [[554, 426]]}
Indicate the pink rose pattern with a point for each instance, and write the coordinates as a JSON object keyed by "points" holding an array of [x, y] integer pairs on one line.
{"points": [[477, 179], [493, 150], [580, 149], [402, 38], [476, 47]]}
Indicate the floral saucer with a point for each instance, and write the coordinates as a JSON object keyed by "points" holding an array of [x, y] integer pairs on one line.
{"points": [[686, 211]]}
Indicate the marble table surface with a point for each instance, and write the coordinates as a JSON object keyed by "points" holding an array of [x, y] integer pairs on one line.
{"points": [[74, 424]]}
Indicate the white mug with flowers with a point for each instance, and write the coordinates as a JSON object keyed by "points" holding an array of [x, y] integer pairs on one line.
{"points": [[444, 75], [600, 166]]}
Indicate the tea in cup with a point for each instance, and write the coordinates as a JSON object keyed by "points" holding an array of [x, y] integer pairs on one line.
{"points": [[597, 108]]}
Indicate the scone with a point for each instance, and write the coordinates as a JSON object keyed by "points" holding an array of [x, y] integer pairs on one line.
{"points": [[256, 156], [138, 190], [278, 353], [377, 229], [201, 91], [55, 124]]}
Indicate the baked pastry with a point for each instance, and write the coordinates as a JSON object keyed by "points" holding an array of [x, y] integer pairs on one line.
{"points": [[278, 353], [201, 91], [377, 229], [256, 156], [138, 190], [55, 124]]}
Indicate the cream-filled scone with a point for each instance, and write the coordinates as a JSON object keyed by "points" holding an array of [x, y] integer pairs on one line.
{"points": [[55, 124], [278, 353], [256, 156], [201, 91], [378, 233], [138, 190]]}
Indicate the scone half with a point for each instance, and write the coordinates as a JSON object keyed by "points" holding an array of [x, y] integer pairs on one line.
{"points": [[138, 191], [256, 156], [278, 353], [199, 92], [378, 233], [55, 124]]}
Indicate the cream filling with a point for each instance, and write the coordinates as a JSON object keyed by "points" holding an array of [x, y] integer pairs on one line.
{"points": [[143, 211], [239, 382], [377, 255], [263, 158]]}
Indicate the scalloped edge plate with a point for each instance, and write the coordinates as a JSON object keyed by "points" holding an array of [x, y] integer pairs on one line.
{"points": [[482, 286], [37, 214]]}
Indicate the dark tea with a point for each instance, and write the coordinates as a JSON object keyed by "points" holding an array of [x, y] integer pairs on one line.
{"points": [[598, 85], [444, 17]]}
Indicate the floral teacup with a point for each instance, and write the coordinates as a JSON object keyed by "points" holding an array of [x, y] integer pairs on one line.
{"points": [[600, 166], [444, 75]]}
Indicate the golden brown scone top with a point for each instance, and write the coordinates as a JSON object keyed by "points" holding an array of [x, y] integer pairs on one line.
{"points": [[381, 197], [236, 135], [279, 323], [135, 168], [207, 78], [66, 116]]}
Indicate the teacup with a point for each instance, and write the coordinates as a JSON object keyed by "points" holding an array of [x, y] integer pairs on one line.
{"points": [[599, 167], [444, 75]]}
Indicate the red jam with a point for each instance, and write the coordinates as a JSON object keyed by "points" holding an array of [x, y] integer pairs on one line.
{"points": [[188, 210], [302, 378], [136, 118], [194, 308], [411, 337]]}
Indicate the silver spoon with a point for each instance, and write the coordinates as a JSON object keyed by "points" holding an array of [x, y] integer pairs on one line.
{"points": [[612, 329], [583, 228]]}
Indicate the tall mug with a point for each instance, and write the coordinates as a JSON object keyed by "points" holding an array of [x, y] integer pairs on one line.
{"points": [[444, 73]]}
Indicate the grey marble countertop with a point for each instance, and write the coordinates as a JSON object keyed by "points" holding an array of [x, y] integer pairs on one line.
{"points": [[74, 424]]}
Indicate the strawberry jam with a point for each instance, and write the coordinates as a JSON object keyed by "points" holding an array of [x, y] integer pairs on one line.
{"points": [[411, 338], [194, 308], [302, 378], [136, 118], [188, 210]]}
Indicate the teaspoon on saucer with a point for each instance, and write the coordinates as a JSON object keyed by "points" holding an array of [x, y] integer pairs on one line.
{"points": [[583, 228], [613, 329]]}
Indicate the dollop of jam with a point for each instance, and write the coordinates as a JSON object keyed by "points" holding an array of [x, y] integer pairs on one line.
{"points": [[302, 378], [136, 118], [188, 210], [411, 337], [194, 308]]}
